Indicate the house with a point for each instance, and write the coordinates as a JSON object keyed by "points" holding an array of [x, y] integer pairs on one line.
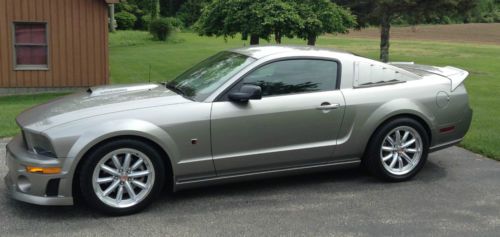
{"points": [[53, 44]]}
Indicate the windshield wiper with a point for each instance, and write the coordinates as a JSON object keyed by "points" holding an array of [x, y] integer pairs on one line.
{"points": [[175, 89]]}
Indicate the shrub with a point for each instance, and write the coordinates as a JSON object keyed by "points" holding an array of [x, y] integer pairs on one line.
{"points": [[125, 20], [161, 28], [176, 23]]}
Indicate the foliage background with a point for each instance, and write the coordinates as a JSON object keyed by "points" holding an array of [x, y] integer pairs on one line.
{"points": [[188, 11]]}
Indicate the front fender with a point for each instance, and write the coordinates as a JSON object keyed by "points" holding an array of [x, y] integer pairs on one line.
{"points": [[75, 139], [124, 127]]}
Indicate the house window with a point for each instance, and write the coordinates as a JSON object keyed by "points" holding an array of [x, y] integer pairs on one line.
{"points": [[30, 45]]}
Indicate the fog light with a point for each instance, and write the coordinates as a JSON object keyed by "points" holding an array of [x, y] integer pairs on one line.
{"points": [[41, 170], [23, 184]]}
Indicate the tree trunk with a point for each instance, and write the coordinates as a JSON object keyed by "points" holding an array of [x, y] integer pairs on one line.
{"points": [[112, 25], [277, 37], [414, 28], [254, 39], [171, 9], [156, 9], [385, 31], [311, 40]]}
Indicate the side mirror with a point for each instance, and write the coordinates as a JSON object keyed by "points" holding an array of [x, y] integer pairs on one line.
{"points": [[246, 93]]}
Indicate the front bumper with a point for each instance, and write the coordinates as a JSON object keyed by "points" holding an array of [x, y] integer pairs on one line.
{"points": [[35, 188]]}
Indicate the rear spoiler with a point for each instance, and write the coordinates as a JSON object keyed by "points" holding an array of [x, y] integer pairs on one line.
{"points": [[456, 75]]}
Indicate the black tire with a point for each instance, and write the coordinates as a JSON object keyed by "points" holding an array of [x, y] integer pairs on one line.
{"points": [[92, 159], [372, 160]]}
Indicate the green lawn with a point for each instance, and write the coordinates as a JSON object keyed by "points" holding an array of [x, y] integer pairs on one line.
{"points": [[11, 106], [133, 55]]}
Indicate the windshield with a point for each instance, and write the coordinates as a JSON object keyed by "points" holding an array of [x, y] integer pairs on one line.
{"points": [[202, 80]]}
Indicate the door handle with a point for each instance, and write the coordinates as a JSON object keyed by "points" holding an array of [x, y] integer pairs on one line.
{"points": [[328, 106]]}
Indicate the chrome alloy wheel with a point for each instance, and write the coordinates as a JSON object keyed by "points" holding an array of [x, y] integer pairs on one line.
{"points": [[401, 150], [123, 178]]}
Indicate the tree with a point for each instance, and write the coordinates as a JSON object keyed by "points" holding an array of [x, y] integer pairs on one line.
{"points": [[320, 17], [249, 17], [486, 11], [171, 7], [191, 10], [260, 19], [384, 12], [155, 13], [139, 8], [281, 19]]}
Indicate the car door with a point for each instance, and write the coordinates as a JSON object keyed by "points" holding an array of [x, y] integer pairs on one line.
{"points": [[295, 123]]}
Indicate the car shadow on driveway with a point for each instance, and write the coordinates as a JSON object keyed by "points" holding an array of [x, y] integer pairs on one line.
{"points": [[353, 179], [266, 191], [256, 194]]}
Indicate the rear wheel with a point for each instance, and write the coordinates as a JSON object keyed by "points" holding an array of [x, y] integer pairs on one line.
{"points": [[398, 150], [122, 177]]}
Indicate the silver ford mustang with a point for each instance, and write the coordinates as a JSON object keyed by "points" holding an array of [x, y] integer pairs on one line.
{"points": [[241, 114]]}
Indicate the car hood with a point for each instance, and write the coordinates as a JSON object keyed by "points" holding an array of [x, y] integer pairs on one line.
{"points": [[97, 101]]}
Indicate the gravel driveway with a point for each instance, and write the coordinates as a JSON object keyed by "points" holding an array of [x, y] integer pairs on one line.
{"points": [[456, 194]]}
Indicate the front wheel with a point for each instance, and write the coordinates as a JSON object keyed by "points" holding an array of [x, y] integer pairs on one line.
{"points": [[398, 150], [121, 177]]}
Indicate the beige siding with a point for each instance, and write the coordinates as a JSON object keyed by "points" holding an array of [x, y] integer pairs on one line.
{"points": [[77, 40]]}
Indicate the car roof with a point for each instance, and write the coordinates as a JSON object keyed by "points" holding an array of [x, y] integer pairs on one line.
{"points": [[259, 52]]}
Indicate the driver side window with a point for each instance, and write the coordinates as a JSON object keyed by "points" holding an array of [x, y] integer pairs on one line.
{"points": [[294, 76]]}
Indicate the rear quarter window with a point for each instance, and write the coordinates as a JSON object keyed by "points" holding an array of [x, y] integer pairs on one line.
{"points": [[367, 73]]}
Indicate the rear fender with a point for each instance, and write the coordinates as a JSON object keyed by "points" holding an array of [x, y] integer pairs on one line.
{"points": [[356, 138], [399, 107]]}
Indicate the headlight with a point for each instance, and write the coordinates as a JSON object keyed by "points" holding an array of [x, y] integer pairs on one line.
{"points": [[39, 144]]}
